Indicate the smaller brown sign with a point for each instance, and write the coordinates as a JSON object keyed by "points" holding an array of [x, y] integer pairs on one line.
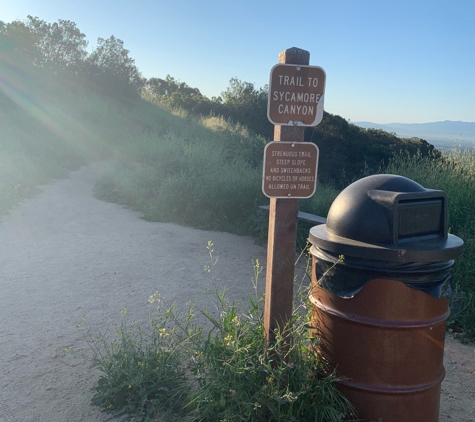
{"points": [[290, 169], [296, 95]]}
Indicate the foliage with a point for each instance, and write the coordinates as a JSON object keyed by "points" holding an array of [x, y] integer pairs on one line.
{"points": [[47, 127], [453, 173], [174, 94], [61, 45], [18, 43], [201, 175], [221, 370], [349, 151], [30, 153], [142, 366], [243, 103], [113, 70]]}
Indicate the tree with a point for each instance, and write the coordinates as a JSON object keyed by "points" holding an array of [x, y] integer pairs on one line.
{"points": [[61, 44], [162, 88], [58, 46], [175, 94], [19, 43], [243, 103], [157, 88], [111, 65]]}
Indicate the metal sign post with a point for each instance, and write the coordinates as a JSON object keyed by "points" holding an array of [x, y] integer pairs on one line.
{"points": [[296, 92]]}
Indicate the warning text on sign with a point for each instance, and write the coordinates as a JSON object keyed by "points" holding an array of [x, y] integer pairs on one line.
{"points": [[290, 169]]}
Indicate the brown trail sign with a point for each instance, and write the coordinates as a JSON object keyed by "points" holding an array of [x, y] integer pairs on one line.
{"points": [[296, 95], [290, 169], [282, 238]]}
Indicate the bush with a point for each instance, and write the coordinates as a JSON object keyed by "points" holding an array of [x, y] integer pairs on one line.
{"points": [[222, 371], [195, 177]]}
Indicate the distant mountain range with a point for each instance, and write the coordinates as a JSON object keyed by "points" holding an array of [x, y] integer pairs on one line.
{"points": [[443, 135]]}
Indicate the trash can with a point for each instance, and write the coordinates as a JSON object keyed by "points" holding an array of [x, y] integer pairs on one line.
{"points": [[380, 280]]}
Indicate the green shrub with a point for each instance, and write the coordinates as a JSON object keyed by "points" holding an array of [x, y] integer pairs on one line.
{"points": [[219, 371], [142, 373]]}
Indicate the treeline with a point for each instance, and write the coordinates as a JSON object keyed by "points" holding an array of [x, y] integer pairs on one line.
{"points": [[59, 50]]}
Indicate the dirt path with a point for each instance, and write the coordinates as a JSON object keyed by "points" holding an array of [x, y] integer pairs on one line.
{"points": [[64, 254]]}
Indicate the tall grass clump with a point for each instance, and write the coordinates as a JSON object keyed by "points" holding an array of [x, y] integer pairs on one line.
{"points": [[204, 365], [203, 175], [453, 173]]}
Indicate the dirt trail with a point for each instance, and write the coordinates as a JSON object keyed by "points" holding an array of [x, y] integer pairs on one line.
{"points": [[65, 254]]}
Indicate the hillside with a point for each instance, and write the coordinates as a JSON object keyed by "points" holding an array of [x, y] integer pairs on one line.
{"points": [[62, 106], [348, 152]]}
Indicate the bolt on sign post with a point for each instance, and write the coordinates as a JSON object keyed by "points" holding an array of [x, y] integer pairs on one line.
{"points": [[296, 92]]}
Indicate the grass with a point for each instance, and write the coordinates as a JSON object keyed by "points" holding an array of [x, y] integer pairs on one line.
{"points": [[454, 174], [219, 370], [203, 175]]}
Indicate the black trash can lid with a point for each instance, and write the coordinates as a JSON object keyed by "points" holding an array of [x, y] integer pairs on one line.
{"points": [[391, 218]]}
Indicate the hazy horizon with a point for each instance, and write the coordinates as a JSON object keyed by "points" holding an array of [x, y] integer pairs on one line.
{"points": [[413, 123], [443, 134]]}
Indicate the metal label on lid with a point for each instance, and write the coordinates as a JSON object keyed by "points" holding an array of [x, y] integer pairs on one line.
{"points": [[420, 218]]}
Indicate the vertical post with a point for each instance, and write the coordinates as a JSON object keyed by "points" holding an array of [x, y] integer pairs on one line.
{"points": [[282, 239]]}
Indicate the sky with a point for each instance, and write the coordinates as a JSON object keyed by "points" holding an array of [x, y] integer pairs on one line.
{"points": [[386, 61]]}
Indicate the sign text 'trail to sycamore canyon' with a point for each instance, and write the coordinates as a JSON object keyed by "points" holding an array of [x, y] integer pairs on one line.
{"points": [[296, 95]]}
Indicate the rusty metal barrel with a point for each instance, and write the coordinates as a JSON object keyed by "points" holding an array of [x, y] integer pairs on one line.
{"points": [[380, 280]]}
